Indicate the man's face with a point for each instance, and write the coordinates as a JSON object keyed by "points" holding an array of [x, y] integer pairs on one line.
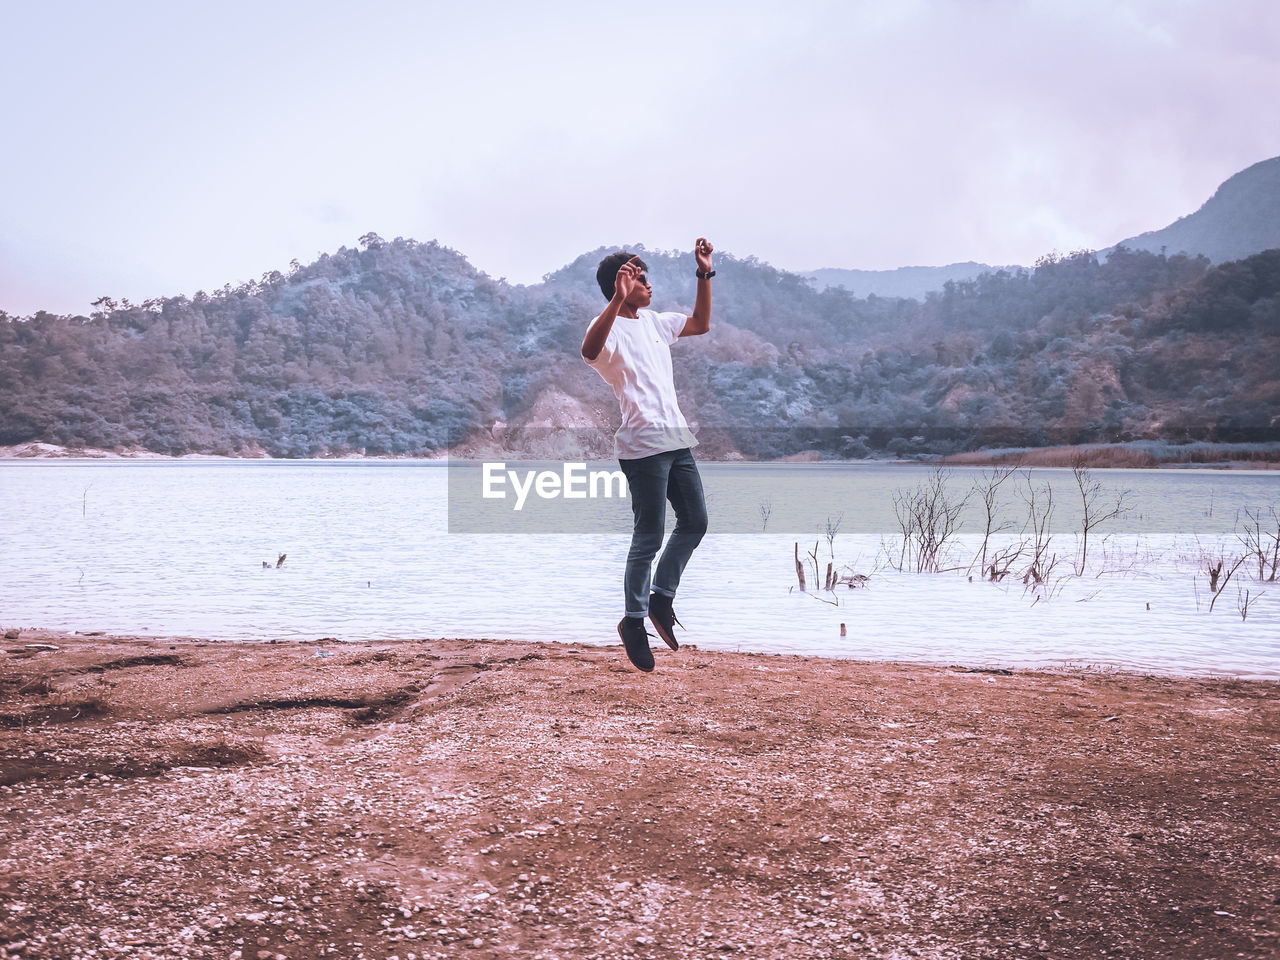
{"points": [[641, 293]]}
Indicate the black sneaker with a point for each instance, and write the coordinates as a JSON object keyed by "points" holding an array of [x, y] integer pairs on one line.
{"points": [[636, 639], [664, 619]]}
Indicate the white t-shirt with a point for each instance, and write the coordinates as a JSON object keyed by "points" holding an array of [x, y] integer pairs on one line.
{"points": [[636, 362]]}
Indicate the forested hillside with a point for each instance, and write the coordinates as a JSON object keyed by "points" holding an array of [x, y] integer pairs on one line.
{"points": [[402, 347]]}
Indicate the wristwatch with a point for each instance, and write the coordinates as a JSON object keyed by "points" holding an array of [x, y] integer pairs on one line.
{"points": [[705, 276]]}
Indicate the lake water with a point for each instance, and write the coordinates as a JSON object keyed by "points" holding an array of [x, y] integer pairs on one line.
{"points": [[176, 548]]}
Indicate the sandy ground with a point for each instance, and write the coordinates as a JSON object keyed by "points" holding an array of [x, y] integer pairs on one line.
{"points": [[480, 799]]}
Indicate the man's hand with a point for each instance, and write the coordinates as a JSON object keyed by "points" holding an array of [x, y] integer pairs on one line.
{"points": [[700, 321], [702, 250], [625, 281]]}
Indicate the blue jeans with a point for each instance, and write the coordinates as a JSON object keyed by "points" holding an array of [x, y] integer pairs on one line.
{"points": [[653, 481]]}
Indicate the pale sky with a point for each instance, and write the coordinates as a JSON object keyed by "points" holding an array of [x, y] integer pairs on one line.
{"points": [[153, 149]]}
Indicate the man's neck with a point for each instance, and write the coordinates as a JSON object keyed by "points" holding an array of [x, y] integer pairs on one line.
{"points": [[628, 311]]}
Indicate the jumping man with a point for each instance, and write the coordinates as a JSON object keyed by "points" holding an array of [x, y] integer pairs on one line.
{"points": [[629, 346]]}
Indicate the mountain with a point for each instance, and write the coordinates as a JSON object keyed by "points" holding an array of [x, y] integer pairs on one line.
{"points": [[1240, 219], [911, 282], [403, 347]]}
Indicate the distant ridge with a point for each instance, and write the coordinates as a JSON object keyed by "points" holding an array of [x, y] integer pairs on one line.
{"points": [[911, 282], [1240, 219]]}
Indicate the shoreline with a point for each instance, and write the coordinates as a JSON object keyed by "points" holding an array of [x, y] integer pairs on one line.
{"points": [[18, 636], [1094, 457], [166, 798]]}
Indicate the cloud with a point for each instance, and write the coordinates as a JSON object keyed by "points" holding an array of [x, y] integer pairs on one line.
{"points": [[814, 134]]}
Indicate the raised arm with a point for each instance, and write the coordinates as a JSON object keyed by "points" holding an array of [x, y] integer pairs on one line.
{"points": [[598, 332], [700, 322]]}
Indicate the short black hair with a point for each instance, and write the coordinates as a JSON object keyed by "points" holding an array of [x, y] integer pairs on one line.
{"points": [[607, 272]]}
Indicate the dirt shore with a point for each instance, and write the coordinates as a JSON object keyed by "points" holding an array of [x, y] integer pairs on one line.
{"points": [[450, 798]]}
